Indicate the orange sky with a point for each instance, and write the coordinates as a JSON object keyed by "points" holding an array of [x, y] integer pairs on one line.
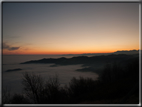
{"points": [[70, 28], [56, 52]]}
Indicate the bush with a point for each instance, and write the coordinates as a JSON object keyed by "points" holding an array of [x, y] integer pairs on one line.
{"points": [[6, 96], [78, 88], [19, 99], [51, 90], [48, 92], [116, 71]]}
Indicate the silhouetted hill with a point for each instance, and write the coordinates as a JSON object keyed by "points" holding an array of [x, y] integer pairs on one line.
{"points": [[89, 64], [127, 52], [82, 59], [98, 54]]}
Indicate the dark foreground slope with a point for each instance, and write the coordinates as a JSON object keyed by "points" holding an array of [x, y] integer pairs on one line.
{"points": [[116, 85]]}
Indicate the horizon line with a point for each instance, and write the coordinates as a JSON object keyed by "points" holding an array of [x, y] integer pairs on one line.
{"points": [[80, 53]]}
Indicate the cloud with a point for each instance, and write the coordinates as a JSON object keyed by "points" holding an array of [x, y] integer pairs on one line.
{"points": [[13, 48], [10, 48]]}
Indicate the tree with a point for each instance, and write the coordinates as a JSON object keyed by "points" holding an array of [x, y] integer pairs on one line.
{"points": [[42, 92], [33, 86]]}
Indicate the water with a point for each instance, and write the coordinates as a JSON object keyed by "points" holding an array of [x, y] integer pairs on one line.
{"points": [[13, 80]]}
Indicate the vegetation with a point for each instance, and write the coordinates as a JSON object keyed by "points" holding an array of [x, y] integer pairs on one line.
{"points": [[118, 84], [6, 95], [82, 59]]}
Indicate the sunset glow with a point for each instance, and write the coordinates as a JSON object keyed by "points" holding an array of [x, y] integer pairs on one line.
{"points": [[69, 28]]}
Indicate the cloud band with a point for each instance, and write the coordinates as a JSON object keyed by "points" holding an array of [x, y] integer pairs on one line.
{"points": [[10, 48]]}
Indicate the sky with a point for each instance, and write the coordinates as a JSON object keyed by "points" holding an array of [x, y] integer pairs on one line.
{"points": [[69, 28]]}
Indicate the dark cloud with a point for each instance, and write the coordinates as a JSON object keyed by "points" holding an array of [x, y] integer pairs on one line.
{"points": [[13, 48], [8, 47]]}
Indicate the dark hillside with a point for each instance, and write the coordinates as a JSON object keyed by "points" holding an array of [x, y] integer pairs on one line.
{"points": [[118, 84]]}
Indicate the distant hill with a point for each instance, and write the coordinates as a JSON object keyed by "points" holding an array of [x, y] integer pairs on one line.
{"points": [[82, 59], [127, 52], [98, 54]]}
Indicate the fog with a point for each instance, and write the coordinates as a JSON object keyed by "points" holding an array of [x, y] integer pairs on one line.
{"points": [[13, 80]]}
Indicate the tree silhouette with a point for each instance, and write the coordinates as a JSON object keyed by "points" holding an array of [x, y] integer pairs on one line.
{"points": [[33, 86]]}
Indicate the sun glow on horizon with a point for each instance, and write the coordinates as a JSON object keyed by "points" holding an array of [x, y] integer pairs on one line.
{"points": [[70, 28], [5, 52]]}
